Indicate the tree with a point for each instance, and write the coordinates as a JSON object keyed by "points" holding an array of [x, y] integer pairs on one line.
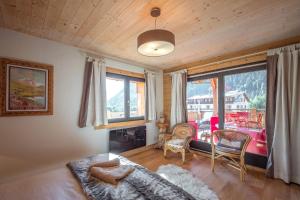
{"points": [[259, 102]]}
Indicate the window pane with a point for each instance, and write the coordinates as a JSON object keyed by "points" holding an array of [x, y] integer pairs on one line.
{"points": [[115, 98], [137, 98], [245, 107], [202, 105]]}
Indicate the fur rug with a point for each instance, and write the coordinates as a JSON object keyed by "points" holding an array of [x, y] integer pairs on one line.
{"points": [[185, 180]]}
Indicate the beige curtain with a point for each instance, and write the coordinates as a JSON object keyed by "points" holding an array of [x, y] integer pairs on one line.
{"points": [[93, 101], [285, 149], [150, 80], [178, 97]]}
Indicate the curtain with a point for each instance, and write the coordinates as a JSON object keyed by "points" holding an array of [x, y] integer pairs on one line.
{"points": [[85, 94], [285, 148], [178, 97], [270, 110], [150, 80], [93, 101]]}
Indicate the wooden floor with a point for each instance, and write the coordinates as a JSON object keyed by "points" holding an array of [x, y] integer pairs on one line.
{"points": [[225, 181]]}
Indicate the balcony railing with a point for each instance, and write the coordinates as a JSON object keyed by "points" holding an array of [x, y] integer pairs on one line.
{"points": [[250, 118]]}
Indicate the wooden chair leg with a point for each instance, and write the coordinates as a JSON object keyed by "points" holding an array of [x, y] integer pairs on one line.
{"points": [[189, 151], [242, 172], [183, 155], [165, 151], [213, 159]]}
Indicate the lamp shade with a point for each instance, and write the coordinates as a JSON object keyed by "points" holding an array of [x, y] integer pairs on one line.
{"points": [[156, 42]]}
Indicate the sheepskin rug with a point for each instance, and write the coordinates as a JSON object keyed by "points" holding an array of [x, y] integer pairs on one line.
{"points": [[184, 179]]}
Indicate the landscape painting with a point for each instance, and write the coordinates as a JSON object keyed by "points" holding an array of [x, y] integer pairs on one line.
{"points": [[27, 88]]}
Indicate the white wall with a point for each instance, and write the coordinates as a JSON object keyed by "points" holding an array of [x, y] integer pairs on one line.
{"points": [[37, 142]]}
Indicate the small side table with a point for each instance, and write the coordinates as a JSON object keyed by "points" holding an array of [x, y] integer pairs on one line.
{"points": [[162, 136]]}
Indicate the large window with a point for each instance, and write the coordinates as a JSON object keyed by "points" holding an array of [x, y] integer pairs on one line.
{"points": [[232, 99], [125, 98]]}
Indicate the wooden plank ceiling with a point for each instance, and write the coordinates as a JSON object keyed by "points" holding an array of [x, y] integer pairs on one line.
{"points": [[203, 28]]}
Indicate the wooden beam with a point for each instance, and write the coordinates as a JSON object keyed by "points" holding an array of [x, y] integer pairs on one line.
{"points": [[238, 54], [124, 72], [227, 64]]}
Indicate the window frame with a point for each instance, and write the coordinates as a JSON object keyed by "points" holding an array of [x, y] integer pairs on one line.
{"points": [[127, 80], [250, 158], [221, 83]]}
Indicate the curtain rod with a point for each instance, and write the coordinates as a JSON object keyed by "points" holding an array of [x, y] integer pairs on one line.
{"points": [[103, 56], [151, 71]]}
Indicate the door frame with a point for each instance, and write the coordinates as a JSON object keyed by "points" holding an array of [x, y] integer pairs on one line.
{"points": [[250, 158]]}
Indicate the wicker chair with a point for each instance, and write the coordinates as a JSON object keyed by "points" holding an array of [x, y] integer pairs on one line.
{"points": [[182, 134], [231, 145]]}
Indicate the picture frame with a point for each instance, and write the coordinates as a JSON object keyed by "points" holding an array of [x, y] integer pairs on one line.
{"points": [[26, 88]]}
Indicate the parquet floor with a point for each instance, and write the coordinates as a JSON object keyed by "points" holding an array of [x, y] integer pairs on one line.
{"points": [[225, 181]]}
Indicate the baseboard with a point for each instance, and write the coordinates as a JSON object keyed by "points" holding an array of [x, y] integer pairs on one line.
{"points": [[138, 150]]}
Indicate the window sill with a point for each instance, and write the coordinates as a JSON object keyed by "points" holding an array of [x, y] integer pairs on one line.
{"points": [[122, 124]]}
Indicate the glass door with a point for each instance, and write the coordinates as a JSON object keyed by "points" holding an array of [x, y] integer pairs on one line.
{"points": [[231, 99], [202, 106], [245, 107]]}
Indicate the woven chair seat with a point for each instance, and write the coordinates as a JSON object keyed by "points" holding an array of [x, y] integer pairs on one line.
{"points": [[176, 143], [228, 150]]}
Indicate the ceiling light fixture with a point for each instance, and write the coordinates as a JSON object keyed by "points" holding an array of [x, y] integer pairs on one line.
{"points": [[156, 42]]}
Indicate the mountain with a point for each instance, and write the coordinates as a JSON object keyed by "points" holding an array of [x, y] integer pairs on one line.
{"points": [[116, 103], [252, 83]]}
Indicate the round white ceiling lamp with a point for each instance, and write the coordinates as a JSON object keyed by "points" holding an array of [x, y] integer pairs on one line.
{"points": [[156, 42]]}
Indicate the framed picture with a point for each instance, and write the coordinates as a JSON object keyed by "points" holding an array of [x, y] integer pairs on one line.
{"points": [[26, 88]]}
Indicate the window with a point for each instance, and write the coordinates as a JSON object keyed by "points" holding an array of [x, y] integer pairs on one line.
{"points": [[237, 100], [115, 94], [125, 98]]}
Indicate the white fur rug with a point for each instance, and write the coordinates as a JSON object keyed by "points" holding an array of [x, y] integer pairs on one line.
{"points": [[184, 179]]}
